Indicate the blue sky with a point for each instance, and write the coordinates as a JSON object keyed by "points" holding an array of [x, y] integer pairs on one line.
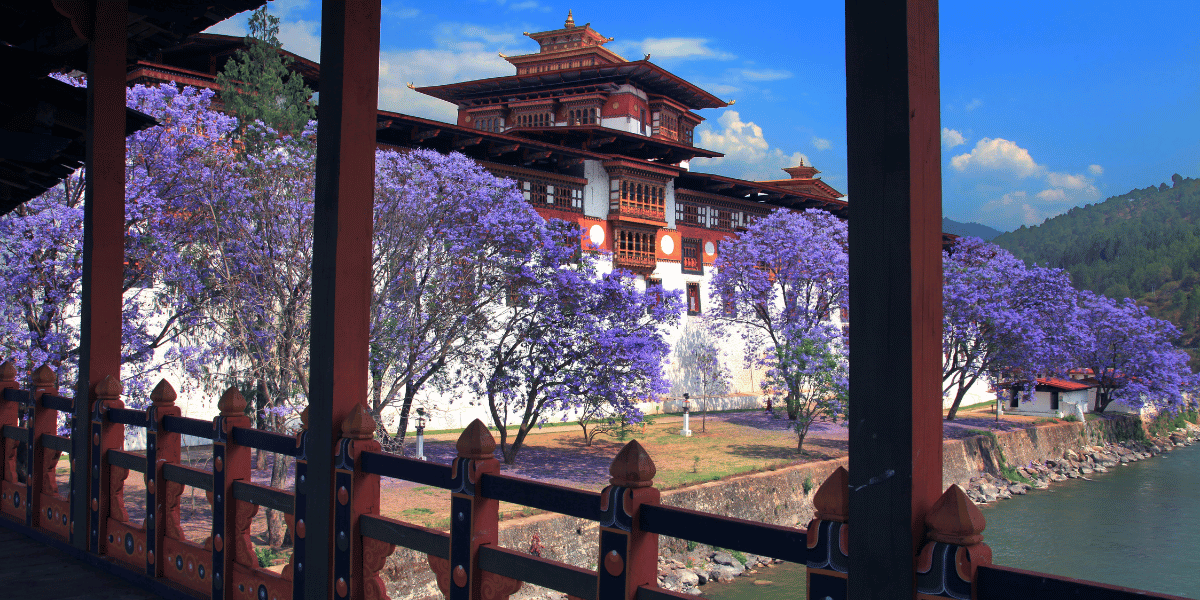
{"points": [[1045, 105]]}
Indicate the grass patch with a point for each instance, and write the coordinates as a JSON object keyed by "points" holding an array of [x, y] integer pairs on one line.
{"points": [[417, 512], [1046, 421], [987, 404], [267, 556]]}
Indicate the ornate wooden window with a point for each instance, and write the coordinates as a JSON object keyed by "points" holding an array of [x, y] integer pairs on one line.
{"points": [[693, 298], [690, 251], [583, 116], [634, 249], [543, 191], [641, 199], [690, 214]]}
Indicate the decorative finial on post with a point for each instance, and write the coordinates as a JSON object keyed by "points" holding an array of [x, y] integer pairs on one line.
{"points": [[954, 519], [45, 377], [832, 500], [108, 388], [163, 394], [358, 425], [8, 371], [232, 404], [570, 19], [476, 442], [954, 548], [632, 467]]}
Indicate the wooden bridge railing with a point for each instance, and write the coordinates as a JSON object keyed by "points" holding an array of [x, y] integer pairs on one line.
{"points": [[467, 561]]}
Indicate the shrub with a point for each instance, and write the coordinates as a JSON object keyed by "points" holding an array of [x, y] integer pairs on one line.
{"points": [[1071, 418], [808, 485]]}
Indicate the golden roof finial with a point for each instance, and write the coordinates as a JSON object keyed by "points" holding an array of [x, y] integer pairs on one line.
{"points": [[570, 19], [411, 86], [502, 55]]}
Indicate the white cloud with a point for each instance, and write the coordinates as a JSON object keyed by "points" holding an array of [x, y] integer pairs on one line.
{"points": [[235, 26], [952, 138], [400, 12], [1053, 195], [675, 48], [765, 74], [1096, 169], [821, 143], [302, 38], [720, 88], [748, 155], [1068, 181], [972, 105], [999, 155]]}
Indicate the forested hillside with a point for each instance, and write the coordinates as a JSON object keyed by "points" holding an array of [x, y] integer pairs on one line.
{"points": [[1144, 245], [978, 230]]}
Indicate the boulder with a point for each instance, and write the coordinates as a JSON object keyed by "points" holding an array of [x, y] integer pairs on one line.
{"points": [[1016, 489], [725, 558]]}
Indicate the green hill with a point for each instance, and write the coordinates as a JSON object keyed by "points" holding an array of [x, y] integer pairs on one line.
{"points": [[1143, 245], [978, 230]]}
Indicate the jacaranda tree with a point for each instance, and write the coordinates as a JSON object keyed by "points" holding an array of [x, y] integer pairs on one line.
{"points": [[1002, 321], [449, 237], [1131, 355], [170, 169], [778, 286], [568, 333]]}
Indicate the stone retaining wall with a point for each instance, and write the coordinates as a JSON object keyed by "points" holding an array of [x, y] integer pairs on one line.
{"points": [[776, 497]]}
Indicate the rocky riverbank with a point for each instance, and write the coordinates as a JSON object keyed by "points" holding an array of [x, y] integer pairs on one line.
{"points": [[1074, 464]]}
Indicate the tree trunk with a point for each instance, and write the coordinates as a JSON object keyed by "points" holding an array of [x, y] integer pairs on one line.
{"points": [[260, 419], [962, 393], [405, 408], [275, 521], [1103, 399]]}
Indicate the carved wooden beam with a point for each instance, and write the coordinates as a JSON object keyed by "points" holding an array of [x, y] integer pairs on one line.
{"points": [[421, 136], [716, 187], [536, 156], [604, 141], [570, 162], [504, 149], [464, 142]]}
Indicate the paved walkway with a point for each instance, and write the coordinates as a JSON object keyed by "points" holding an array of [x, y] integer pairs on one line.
{"points": [[31, 570]]}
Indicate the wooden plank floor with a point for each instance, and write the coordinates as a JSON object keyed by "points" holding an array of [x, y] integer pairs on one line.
{"points": [[33, 571]]}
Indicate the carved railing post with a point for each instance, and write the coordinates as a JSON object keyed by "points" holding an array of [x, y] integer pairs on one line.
{"points": [[828, 539], [474, 521], [108, 482], [10, 414], [230, 542], [356, 560], [954, 548], [40, 461], [628, 555], [162, 499], [294, 571]]}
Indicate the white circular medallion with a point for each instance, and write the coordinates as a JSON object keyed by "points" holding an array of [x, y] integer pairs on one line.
{"points": [[596, 234], [668, 245], [709, 248]]}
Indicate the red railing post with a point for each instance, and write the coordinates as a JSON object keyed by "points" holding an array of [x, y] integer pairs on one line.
{"points": [[294, 570], [230, 542], [828, 541], [356, 560], [162, 448], [108, 482], [42, 462], [474, 521], [953, 549], [628, 555], [10, 414]]}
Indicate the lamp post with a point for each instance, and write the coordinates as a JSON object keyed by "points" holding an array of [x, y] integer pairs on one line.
{"points": [[686, 431], [421, 434]]}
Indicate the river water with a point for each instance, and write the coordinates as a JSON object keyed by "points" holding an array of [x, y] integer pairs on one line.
{"points": [[1137, 526]]}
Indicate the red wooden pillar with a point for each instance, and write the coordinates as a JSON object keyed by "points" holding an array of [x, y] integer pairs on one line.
{"points": [[103, 239], [162, 448], [894, 168], [42, 462], [230, 541], [628, 556], [342, 219]]}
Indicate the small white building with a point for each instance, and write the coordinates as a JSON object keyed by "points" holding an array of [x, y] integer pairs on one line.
{"points": [[1051, 397]]}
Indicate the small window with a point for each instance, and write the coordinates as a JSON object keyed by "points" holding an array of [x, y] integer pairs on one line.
{"points": [[1053, 400], [690, 252], [1012, 400], [693, 298], [655, 290]]}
